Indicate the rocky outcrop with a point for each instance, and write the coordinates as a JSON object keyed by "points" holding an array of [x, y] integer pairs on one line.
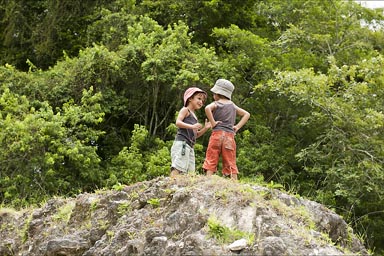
{"points": [[190, 215]]}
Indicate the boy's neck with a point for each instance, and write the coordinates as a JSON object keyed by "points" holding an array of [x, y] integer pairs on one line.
{"points": [[224, 100]]}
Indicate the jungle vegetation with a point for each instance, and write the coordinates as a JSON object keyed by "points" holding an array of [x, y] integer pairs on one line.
{"points": [[89, 91]]}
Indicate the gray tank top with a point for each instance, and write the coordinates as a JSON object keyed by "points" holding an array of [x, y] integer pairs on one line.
{"points": [[226, 113], [187, 135]]}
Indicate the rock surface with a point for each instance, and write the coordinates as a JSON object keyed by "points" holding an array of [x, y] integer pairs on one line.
{"points": [[192, 215]]}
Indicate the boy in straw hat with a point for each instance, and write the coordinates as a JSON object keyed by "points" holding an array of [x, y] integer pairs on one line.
{"points": [[189, 129], [222, 115]]}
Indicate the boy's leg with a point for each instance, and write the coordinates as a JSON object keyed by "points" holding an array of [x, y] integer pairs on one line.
{"points": [[212, 154], [174, 173], [179, 159], [229, 158]]}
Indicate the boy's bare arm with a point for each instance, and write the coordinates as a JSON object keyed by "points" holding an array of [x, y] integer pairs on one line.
{"points": [[180, 117], [244, 118], [204, 129], [209, 112]]}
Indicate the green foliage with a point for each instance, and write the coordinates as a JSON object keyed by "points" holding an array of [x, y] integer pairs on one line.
{"points": [[343, 165], [46, 153], [155, 202], [225, 234], [143, 160], [15, 31], [110, 27], [249, 53], [128, 166], [64, 212], [319, 29], [41, 30], [159, 163], [102, 80], [203, 16], [167, 62], [265, 159], [123, 208]]}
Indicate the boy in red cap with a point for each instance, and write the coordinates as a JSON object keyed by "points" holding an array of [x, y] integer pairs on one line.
{"points": [[189, 129], [222, 115]]}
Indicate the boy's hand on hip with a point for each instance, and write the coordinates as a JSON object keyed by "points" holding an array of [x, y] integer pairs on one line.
{"points": [[215, 123]]}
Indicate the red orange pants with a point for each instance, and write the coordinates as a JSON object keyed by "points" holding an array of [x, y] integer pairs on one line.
{"points": [[222, 144]]}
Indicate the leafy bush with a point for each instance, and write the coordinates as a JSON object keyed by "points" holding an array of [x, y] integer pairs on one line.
{"points": [[44, 153]]}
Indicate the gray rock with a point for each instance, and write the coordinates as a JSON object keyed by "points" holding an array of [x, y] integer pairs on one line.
{"points": [[174, 217], [66, 246], [238, 245]]}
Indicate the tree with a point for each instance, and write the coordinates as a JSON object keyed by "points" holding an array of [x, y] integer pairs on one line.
{"points": [[41, 30], [342, 167], [320, 29], [45, 153], [203, 16], [18, 19]]}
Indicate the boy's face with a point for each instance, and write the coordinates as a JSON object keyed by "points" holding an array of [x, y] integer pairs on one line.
{"points": [[197, 100]]}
